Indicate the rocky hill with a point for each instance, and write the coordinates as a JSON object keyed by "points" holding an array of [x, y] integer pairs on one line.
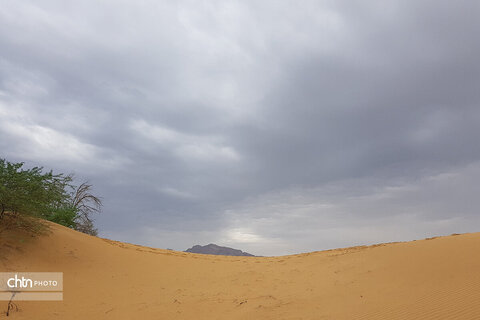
{"points": [[218, 250]]}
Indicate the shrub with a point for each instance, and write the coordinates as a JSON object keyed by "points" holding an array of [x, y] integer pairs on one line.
{"points": [[65, 216], [31, 192]]}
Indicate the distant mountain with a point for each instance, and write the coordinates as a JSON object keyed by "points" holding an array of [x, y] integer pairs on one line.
{"points": [[218, 250]]}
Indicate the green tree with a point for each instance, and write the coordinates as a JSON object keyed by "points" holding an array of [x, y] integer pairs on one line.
{"points": [[65, 216], [30, 191], [49, 196]]}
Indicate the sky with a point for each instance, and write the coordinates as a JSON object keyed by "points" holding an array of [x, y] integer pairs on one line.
{"points": [[274, 127]]}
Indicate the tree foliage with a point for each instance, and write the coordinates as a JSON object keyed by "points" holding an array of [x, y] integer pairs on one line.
{"points": [[65, 216], [47, 195]]}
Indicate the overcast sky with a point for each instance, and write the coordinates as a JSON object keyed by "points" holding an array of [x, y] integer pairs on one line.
{"points": [[275, 127]]}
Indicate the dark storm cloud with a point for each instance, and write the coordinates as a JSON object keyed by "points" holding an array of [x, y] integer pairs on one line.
{"points": [[244, 122]]}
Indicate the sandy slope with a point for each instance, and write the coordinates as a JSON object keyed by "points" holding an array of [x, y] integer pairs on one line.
{"points": [[427, 279]]}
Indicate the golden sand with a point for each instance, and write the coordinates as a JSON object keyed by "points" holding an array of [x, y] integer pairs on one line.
{"points": [[103, 279]]}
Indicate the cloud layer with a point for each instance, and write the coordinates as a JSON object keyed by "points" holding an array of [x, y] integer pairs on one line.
{"points": [[267, 126]]}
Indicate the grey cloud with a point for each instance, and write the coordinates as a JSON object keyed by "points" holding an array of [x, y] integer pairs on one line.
{"points": [[182, 113], [376, 210]]}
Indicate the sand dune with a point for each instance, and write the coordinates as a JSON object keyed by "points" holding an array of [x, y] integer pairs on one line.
{"points": [[104, 279]]}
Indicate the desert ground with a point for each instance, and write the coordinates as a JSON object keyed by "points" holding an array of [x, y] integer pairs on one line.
{"points": [[436, 278]]}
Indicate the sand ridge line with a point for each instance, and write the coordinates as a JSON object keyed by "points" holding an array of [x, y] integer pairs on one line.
{"points": [[424, 279]]}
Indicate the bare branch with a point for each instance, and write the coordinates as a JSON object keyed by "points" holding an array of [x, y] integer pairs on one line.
{"points": [[86, 204]]}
